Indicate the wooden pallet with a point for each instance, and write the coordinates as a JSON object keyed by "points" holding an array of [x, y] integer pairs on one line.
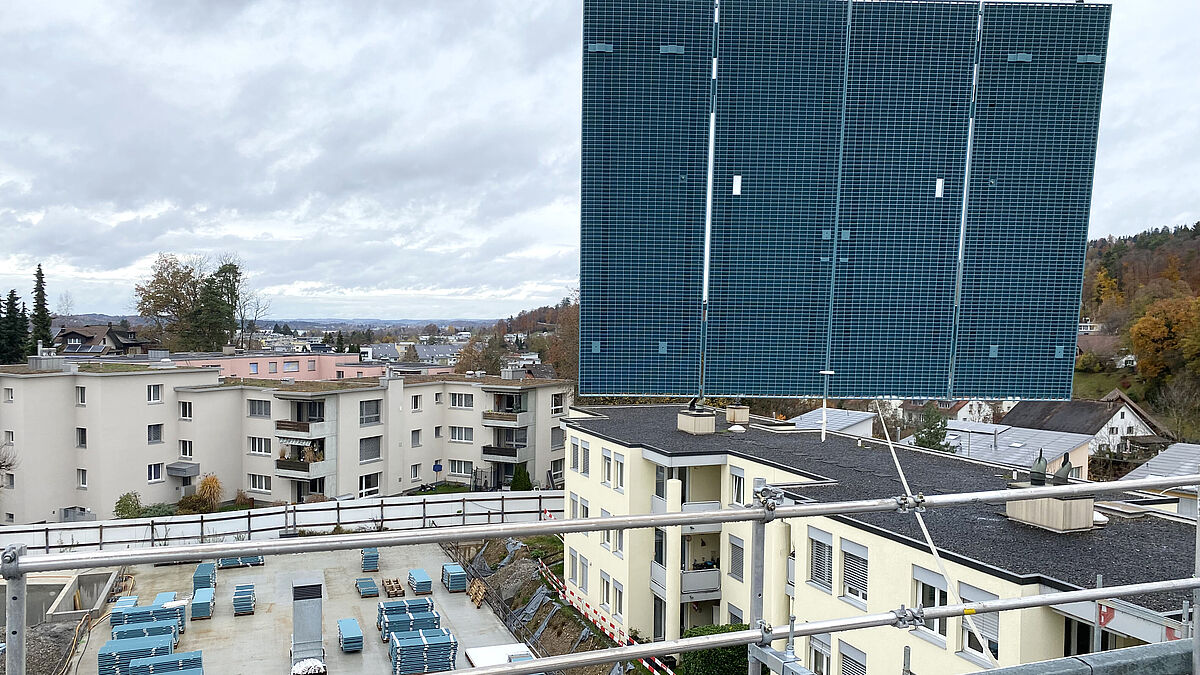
{"points": [[475, 591], [394, 588]]}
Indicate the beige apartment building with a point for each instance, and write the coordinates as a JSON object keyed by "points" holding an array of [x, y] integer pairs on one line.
{"points": [[83, 434], [636, 459]]}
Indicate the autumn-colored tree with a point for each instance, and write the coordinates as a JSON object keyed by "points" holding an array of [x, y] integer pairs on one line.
{"points": [[1107, 289], [210, 491], [564, 344], [1158, 336]]}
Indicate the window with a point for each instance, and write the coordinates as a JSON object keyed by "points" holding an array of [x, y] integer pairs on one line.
{"points": [[80, 395], [8, 394], [10, 480], [272, 367], [258, 482], [989, 624], [368, 485], [1129, 430], [415, 472], [619, 542], [462, 434], [586, 465], [556, 467], [605, 591], [437, 431], [9, 517], [461, 467], [416, 403], [312, 365], [557, 438], [573, 567], [660, 482], [462, 400], [185, 449], [80, 437], [820, 559], [9, 437], [253, 368], [74, 340], [437, 398], [737, 554], [660, 546], [606, 536], [1112, 431], [154, 433], [854, 661], [369, 448], [854, 571], [185, 410], [574, 506], [154, 472], [81, 478], [259, 446], [574, 454], [618, 606], [735, 614], [154, 393], [556, 403], [583, 508], [339, 374], [820, 659], [415, 437], [619, 472], [606, 467], [737, 486], [930, 591], [260, 408], [368, 412], [291, 366], [583, 574]]}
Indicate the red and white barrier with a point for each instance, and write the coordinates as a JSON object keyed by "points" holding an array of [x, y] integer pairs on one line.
{"points": [[601, 621]]}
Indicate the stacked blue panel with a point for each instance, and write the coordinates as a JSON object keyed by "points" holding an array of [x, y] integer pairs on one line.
{"points": [[182, 663], [165, 597], [647, 68], [366, 587], [202, 603], [177, 612], [454, 578], [350, 636], [411, 606], [420, 582], [423, 651], [146, 629], [126, 601], [405, 623], [243, 599], [114, 657], [370, 560], [1041, 71], [205, 576]]}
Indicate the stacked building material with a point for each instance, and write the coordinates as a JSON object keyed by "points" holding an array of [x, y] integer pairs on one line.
{"points": [[423, 651], [165, 597], [370, 560], [205, 576], [183, 663], [126, 601], [202, 603], [366, 587], [411, 606], [454, 578], [419, 582], [171, 611], [244, 561], [243, 599], [350, 637], [406, 623], [147, 629], [115, 655]]}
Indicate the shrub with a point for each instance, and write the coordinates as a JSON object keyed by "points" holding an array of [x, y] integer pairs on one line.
{"points": [[192, 504], [719, 661], [243, 500], [157, 510], [129, 505], [210, 490], [520, 481], [315, 498]]}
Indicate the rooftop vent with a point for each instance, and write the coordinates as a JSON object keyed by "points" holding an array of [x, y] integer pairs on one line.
{"points": [[697, 422], [47, 363], [163, 364], [1057, 514], [737, 429], [737, 414]]}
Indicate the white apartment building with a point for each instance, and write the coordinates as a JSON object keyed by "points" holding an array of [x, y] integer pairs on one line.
{"points": [[636, 459], [82, 435]]}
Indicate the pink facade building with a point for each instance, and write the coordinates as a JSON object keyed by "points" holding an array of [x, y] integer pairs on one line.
{"points": [[275, 366]]}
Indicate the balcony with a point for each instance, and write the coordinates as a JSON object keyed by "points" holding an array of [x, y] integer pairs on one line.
{"points": [[790, 588], [695, 507], [303, 430], [700, 585], [506, 455], [507, 419], [302, 470], [657, 504], [658, 578]]}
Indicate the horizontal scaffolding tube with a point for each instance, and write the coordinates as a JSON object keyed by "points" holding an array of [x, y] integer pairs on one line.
{"points": [[436, 535], [746, 637]]}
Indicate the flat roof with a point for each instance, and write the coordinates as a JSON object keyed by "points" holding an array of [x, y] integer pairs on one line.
{"points": [[1125, 551], [837, 419], [486, 380], [303, 385], [1014, 446]]}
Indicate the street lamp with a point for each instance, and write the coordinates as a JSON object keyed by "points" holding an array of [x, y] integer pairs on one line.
{"points": [[824, 404]]}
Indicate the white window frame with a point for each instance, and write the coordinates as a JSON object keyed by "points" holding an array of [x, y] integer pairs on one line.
{"points": [[465, 467], [414, 471], [259, 445], [586, 456], [619, 472], [81, 437], [854, 557], [464, 401], [366, 418], [989, 624], [291, 366], [186, 449], [365, 490], [263, 407], [737, 486], [378, 449], [416, 403], [618, 600], [605, 592], [737, 558], [154, 472], [606, 536], [557, 403], [605, 466], [185, 410], [257, 482], [574, 454], [462, 434], [81, 480], [150, 440], [154, 393], [823, 541], [414, 438], [80, 395]]}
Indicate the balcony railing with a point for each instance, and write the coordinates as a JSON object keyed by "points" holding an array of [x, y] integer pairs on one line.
{"points": [[701, 581], [292, 465], [658, 576], [292, 425], [501, 415], [499, 451], [657, 504]]}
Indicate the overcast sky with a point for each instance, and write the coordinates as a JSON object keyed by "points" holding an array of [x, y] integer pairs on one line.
{"points": [[393, 159]]}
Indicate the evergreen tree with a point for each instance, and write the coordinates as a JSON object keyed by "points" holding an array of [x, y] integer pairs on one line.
{"points": [[287, 330], [277, 329], [339, 345], [41, 313], [14, 331], [932, 431], [520, 480], [207, 327]]}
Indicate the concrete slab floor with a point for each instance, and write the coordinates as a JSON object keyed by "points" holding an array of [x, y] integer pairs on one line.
{"points": [[259, 644]]}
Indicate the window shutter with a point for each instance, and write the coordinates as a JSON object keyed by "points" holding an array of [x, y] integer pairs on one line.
{"points": [[855, 569], [852, 667], [736, 556], [820, 563]]}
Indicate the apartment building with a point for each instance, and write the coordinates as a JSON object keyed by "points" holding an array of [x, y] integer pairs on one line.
{"points": [[630, 460], [83, 434]]}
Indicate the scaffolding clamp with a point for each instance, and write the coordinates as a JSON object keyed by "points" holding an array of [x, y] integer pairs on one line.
{"points": [[770, 498], [911, 503], [10, 561], [766, 630], [909, 617]]}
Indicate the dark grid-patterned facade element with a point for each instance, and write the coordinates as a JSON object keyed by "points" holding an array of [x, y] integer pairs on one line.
{"points": [[881, 207]]}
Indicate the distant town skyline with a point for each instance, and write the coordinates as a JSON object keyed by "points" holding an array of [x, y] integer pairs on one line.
{"points": [[371, 160]]}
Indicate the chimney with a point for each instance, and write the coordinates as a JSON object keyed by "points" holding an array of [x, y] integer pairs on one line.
{"points": [[737, 414], [697, 422]]}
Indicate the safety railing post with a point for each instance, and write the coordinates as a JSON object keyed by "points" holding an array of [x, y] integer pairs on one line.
{"points": [[14, 606]]}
